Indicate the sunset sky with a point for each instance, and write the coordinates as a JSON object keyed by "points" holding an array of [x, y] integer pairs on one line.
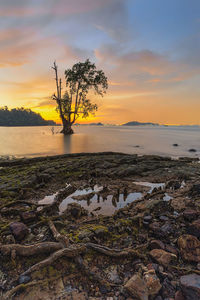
{"points": [[149, 50]]}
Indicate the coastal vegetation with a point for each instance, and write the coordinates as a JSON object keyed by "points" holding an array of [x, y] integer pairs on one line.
{"points": [[21, 117], [80, 79]]}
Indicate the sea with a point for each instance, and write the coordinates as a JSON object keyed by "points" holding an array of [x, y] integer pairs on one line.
{"points": [[173, 141]]}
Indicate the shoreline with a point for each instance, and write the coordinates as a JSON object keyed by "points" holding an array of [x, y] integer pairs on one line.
{"points": [[144, 246]]}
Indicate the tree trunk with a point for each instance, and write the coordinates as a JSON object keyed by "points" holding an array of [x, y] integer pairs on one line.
{"points": [[67, 128]]}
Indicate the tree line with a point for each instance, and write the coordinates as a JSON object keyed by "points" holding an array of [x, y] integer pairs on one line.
{"points": [[21, 117]]}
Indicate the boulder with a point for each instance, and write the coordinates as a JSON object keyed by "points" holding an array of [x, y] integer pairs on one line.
{"points": [[137, 287], [162, 257], [190, 285], [189, 247], [19, 230]]}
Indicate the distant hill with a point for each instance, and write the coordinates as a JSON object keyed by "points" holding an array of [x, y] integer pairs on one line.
{"points": [[22, 117], [135, 123]]}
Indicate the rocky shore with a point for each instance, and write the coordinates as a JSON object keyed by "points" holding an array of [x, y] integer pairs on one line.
{"points": [[139, 241]]}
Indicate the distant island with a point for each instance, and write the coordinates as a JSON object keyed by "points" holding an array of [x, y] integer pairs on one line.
{"points": [[22, 117], [135, 123], [91, 124]]}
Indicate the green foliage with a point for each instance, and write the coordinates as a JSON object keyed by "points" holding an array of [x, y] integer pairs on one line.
{"points": [[21, 117]]}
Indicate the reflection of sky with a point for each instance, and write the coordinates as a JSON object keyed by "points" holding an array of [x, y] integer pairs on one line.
{"points": [[150, 51]]}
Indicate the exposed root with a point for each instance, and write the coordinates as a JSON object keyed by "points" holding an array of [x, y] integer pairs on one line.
{"points": [[114, 252], [67, 252], [21, 250], [21, 287]]}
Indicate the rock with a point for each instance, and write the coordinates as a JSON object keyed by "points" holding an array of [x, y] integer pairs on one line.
{"points": [[75, 210], [156, 244], [189, 247], [162, 257], [28, 216], [112, 275], [24, 279], [195, 190], [190, 214], [171, 249], [166, 229], [168, 290], [163, 218], [194, 228], [137, 287], [190, 285], [179, 296], [173, 184], [85, 234], [147, 219], [175, 145], [192, 150], [19, 230], [152, 282]]}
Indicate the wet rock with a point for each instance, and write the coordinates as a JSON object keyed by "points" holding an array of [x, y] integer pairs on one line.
{"points": [[192, 150], [163, 218], [194, 228], [168, 290], [189, 247], [171, 249], [162, 257], [173, 184], [24, 279], [137, 288], [190, 285], [147, 219], [75, 210], [112, 275], [179, 296], [85, 234], [152, 282], [19, 230], [156, 244], [161, 231], [101, 232], [190, 214], [166, 229], [28, 216], [195, 190]]}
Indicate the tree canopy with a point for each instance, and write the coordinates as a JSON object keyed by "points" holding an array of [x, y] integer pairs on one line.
{"points": [[80, 79]]}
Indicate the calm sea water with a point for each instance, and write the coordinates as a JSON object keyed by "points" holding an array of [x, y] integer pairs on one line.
{"points": [[159, 140]]}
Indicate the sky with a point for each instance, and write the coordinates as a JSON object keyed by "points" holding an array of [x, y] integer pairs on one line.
{"points": [[148, 49]]}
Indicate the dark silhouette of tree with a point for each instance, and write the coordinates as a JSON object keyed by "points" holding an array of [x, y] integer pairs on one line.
{"points": [[21, 117], [80, 79]]}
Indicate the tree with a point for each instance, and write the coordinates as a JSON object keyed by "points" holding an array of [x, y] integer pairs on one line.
{"points": [[80, 79]]}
